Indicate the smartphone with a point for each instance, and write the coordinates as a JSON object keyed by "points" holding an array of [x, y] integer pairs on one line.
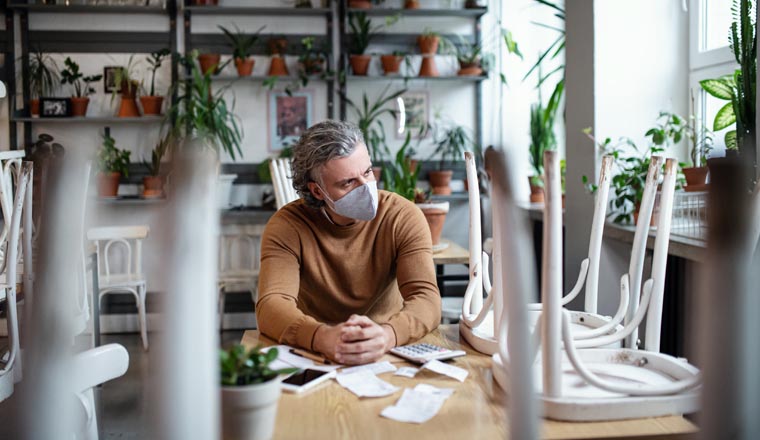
{"points": [[306, 379]]}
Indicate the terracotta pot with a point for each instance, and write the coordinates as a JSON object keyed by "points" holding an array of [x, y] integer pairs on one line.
{"points": [[278, 67], [129, 89], [151, 104], [79, 106], [428, 43], [359, 4], [413, 165], [209, 61], [536, 192], [205, 2], [378, 172], [128, 107], [312, 66], [34, 107], [412, 4], [695, 176], [244, 67], [655, 211], [440, 180], [435, 214], [360, 64], [391, 63], [277, 46], [469, 69], [472, 4], [428, 67], [153, 186], [108, 184]]}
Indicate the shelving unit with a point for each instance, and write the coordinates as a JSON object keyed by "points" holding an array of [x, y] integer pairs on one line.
{"points": [[89, 120]]}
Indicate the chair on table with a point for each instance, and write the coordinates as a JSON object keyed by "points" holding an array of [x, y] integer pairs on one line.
{"points": [[239, 258], [130, 277], [282, 180], [13, 206]]}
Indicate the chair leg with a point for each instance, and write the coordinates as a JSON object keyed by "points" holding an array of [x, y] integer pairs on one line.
{"points": [[142, 315]]}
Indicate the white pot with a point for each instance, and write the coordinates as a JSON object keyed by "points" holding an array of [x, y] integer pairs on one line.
{"points": [[249, 412], [223, 190]]}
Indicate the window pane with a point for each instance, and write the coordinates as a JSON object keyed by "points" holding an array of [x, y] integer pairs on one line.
{"points": [[716, 19], [712, 105]]}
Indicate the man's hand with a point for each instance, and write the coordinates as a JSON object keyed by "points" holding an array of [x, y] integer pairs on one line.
{"points": [[363, 341]]}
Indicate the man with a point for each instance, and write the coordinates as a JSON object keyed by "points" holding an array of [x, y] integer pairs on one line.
{"points": [[346, 270]]}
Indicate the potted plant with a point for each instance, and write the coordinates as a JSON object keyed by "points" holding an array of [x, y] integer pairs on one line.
{"points": [[127, 86], [277, 66], [411, 4], [153, 183], [392, 62], [542, 138], [242, 45], [362, 34], [312, 60], [361, 4], [701, 139], [250, 392], [151, 103], [72, 75], [472, 60], [43, 78], [113, 164], [429, 42], [450, 145]]}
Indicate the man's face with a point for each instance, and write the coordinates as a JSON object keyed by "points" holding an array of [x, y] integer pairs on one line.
{"points": [[340, 176]]}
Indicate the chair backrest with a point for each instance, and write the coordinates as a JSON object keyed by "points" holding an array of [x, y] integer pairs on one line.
{"points": [[282, 180], [119, 248], [239, 249], [10, 170]]}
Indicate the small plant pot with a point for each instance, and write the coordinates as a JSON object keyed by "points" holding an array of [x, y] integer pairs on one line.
{"points": [[250, 411], [34, 107], [536, 192], [278, 67], [153, 187], [696, 178], [469, 69], [108, 184], [209, 62], [359, 4], [277, 46], [472, 4], [244, 66], [128, 107], [439, 181], [428, 67], [79, 106], [391, 63], [360, 64], [435, 214], [205, 2], [312, 66], [151, 104], [428, 44], [412, 4]]}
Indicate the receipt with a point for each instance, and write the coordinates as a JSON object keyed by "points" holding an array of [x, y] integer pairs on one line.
{"points": [[376, 368], [447, 370], [406, 372], [364, 383], [418, 405]]}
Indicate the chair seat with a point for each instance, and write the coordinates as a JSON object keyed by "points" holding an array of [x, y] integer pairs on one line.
{"points": [[121, 280]]}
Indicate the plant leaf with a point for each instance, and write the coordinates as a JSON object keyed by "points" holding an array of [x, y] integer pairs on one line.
{"points": [[725, 117]]}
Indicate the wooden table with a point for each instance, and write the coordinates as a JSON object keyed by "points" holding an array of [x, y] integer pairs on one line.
{"points": [[475, 411], [452, 254]]}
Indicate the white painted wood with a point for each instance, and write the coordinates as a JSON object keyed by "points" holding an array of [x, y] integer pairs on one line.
{"points": [[239, 260], [597, 233], [551, 276], [282, 180], [475, 298], [755, 222]]}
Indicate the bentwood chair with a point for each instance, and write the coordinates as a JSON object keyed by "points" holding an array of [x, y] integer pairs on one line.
{"points": [[282, 180]]}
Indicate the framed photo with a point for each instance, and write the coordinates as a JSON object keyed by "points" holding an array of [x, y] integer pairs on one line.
{"points": [[109, 78], [288, 116], [55, 107], [413, 113]]}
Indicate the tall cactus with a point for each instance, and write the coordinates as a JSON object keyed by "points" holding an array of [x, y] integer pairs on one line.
{"points": [[743, 44]]}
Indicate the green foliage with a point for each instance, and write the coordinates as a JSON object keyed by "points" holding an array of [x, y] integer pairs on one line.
{"points": [[161, 148], [112, 159], [363, 31], [72, 75], [240, 367], [154, 61], [367, 115], [450, 144], [43, 74], [126, 75], [203, 114], [542, 136], [398, 176], [472, 53], [554, 49], [241, 43]]}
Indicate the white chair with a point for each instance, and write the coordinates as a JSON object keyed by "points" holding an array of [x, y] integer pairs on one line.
{"points": [[282, 180], [128, 276], [239, 258]]}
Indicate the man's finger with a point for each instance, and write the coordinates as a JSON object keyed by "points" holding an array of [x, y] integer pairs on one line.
{"points": [[360, 320], [360, 334], [369, 345]]}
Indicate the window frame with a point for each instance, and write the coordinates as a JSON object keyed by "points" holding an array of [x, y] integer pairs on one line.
{"points": [[702, 59]]}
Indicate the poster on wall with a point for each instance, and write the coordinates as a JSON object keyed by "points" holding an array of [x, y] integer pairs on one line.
{"points": [[413, 113], [289, 117]]}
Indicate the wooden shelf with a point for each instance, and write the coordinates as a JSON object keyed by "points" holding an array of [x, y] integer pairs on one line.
{"points": [[384, 12], [232, 78], [131, 200], [87, 9], [417, 78], [91, 120], [242, 10]]}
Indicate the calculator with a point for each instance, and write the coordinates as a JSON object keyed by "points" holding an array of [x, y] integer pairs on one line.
{"points": [[421, 353]]}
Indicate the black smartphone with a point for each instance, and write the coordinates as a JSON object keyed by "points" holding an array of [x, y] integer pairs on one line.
{"points": [[305, 379]]}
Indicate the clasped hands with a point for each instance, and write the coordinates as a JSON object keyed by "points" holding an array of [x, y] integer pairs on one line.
{"points": [[359, 340]]}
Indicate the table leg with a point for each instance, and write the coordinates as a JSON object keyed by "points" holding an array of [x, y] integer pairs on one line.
{"points": [[95, 300]]}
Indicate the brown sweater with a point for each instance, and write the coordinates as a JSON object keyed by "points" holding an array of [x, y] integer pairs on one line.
{"points": [[314, 272]]}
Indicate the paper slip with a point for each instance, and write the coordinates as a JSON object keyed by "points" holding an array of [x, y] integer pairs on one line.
{"points": [[286, 359], [418, 405], [406, 372], [376, 368], [447, 370], [365, 384]]}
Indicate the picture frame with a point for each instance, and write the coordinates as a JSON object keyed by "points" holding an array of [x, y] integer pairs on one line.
{"points": [[288, 116], [55, 107], [413, 113], [109, 78]]}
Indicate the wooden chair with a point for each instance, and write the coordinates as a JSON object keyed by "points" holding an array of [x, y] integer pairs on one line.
{"points": [[282, 180], [128, 276], [239, 258]]}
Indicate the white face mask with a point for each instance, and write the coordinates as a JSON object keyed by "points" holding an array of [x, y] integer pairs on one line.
{"points": [[359, 204]]}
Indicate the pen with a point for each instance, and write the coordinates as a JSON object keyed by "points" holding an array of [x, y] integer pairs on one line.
{"points": [[309, 355]]}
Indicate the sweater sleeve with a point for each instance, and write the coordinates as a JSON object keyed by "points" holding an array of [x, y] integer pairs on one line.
{"points": [[276, 310], [415, 274]]}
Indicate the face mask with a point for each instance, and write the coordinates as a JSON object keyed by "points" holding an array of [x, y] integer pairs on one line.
{"points": [[360, 203]]}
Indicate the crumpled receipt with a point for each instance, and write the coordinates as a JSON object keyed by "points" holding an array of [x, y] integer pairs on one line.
{"points": [[364, 383], [418, 405]]}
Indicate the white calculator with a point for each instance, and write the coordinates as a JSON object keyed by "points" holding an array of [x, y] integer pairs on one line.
{"points": [[421, 353]]}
